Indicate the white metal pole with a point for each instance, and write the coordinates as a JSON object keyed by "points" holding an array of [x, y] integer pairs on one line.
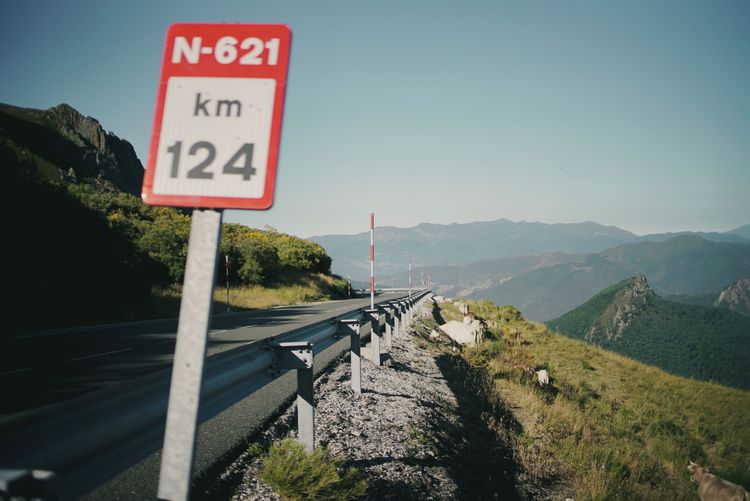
{"points": [[372, 260], [410, 275]]}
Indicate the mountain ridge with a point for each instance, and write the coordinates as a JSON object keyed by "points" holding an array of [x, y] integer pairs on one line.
{"points": [[433, 244], [696, 341], [62, 145]]}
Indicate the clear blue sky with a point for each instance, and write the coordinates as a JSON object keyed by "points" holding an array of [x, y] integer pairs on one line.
{"points": [[631, 113]]}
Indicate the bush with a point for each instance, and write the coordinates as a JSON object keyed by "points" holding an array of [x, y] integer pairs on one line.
{"points": [[295, 474], [302, 255], [259, 261]]}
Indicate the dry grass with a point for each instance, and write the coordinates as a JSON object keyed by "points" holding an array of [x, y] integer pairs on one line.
{"points": [[290, 289], [298, 475], [617, 429]]}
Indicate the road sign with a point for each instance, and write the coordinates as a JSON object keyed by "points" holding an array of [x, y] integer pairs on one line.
{"points": [[215, 141]]}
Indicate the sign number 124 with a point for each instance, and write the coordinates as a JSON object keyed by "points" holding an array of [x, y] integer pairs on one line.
{"points": [[240, 163]]}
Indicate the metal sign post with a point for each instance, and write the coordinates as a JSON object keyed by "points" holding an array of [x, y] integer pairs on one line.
{"points": [[190, 353], [215, 145]]}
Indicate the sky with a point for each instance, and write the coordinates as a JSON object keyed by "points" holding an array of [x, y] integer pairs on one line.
{"points": [[633, 113]]}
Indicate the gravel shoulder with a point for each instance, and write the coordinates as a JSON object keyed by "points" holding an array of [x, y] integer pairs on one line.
{"points": [[416, 431]]}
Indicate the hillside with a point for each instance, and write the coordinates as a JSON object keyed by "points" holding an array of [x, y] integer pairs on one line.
{"points": [[606, 427], [690, 340], [88, 250]]}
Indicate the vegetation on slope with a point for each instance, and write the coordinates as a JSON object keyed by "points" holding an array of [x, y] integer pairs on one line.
{"points": [[84, 251], [607, 427], [690, 340]]}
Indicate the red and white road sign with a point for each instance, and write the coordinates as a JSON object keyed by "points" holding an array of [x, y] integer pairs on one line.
{"points": [[215, 142]]}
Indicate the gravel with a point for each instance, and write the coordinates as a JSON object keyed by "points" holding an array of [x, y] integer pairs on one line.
{"points": [[412, 434]]}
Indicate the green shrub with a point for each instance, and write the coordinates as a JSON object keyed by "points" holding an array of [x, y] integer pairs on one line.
{"points": [[260, 261], [296, 474]]}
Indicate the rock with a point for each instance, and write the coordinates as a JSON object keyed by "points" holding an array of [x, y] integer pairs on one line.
{"points": [[464, 334]]}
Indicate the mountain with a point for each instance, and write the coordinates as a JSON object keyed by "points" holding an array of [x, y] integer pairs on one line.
{"points": [[465, 279], [548, 292], [687, 268], [455, 244], [60, 144], [712, 236], [686, 264], [689, 340]]}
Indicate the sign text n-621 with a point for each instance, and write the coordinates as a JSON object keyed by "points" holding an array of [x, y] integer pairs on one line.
{"points": [[251, 51]]}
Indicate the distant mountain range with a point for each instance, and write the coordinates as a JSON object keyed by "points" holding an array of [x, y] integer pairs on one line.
{"points": [[690, 340], [546, 286], [464, 244]]}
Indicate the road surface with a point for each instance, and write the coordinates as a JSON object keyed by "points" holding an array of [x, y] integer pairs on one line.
{"points": [[47, 367]]}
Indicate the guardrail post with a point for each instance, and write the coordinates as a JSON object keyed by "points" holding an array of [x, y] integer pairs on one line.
{"points": [[351, 328], [299, 356], [402, 310], [375, 335], [407, 316], [396, 319], [387, 311]]}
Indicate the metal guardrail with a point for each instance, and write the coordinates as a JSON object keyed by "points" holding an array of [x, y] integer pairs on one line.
{"points": [[64, 450]]}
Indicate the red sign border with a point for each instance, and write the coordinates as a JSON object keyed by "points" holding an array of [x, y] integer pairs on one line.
{"points": [[211, 32]]}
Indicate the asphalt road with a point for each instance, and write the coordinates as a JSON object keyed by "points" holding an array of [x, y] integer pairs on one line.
{"points": [[46, 367], [52, 366]]}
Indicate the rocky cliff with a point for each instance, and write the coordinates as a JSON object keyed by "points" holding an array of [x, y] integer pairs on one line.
{"points": [[619, 314], [61, 145], [736, 297]]}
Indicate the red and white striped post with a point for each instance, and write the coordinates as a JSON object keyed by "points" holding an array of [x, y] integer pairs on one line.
{"points": [[226, 265], [372, 260]]}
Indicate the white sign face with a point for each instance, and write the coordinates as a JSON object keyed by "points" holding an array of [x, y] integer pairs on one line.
{"points": [[202, 152]]}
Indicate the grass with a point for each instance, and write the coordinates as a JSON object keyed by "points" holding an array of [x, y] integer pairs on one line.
{"points": [[296, 475], [289, 289], [610, 427]]}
